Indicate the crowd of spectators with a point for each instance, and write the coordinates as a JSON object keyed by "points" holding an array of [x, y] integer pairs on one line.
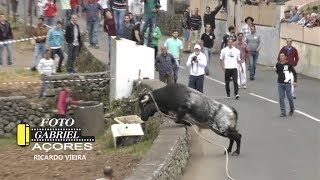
{"points": [[305, 18]]}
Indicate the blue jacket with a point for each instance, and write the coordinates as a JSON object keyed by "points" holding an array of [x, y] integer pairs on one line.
{"points": [[55, 38]]}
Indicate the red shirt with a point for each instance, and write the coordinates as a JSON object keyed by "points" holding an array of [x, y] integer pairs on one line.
{"points": [[50, 9], [74, 3], [110, 26], [292, 55], [64, 100]]}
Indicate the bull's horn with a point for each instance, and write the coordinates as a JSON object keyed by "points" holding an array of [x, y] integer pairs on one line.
{"points": [[145, 98], [134, 100]]}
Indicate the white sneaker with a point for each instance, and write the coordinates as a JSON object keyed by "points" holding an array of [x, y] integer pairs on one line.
{"points": [[244, 86]]}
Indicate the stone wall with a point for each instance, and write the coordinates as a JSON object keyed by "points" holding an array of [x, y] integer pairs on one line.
{"points": [[13, 110], [169, 153]]}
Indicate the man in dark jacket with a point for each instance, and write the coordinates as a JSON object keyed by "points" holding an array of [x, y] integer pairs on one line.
{"points": [[165, 63], [73, 39], [230, 35], [210, 16], [5, 37]]}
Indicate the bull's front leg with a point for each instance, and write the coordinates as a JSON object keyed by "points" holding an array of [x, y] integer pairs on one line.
{"points": [[181, 113], [230, 145]]}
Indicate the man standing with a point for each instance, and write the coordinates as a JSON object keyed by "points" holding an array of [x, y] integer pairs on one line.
{"points": [[165, 64], [93, 10], [254, 46], [39, 34], [151, 8], [243, 48], [246, 28], [127, 27], [229, 59], [154, 39], [50, 11], [210, 16], [46, 68], [110, 28], [284, 70], [136, 8], [207, 38], [5, 37], [292, 57], [174, 46], [73, 39], [197, 62], [231, 34], [119, 10], [186, 29], [55, 42], [195, 27]]}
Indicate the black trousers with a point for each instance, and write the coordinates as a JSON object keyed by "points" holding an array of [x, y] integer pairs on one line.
{"points": [[196, 82], [234, 74]]}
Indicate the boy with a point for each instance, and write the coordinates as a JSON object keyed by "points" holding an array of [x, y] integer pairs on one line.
{"points": [[46, 67]]}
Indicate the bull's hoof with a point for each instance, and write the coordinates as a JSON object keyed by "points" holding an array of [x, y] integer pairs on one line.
{"points": [[225, 152], [183, 122], [235, 154]]}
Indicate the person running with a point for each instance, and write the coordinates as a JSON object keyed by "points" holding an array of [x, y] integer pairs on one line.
{"points": [[175, 47], [229, 59], [284, 70]]}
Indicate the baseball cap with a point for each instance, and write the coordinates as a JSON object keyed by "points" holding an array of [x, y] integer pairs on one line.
{"points": [[197, 46]]}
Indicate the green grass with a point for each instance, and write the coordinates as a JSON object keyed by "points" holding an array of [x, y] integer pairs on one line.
{"points": [[7, 141], [18, 75]]}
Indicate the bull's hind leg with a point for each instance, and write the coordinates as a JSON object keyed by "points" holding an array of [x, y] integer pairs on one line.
{"points": [[236, 137], [230, 145]]}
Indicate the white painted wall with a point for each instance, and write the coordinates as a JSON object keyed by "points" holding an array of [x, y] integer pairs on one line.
{"points": [[127, 59]]}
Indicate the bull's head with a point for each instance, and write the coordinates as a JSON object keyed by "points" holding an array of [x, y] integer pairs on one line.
{"points": [[147, 106]]}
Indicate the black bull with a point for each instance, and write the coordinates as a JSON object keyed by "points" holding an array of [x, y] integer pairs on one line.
{"points": [[203, 111]]}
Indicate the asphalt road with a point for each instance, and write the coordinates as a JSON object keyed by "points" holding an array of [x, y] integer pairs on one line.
{"points": [[273, 148]]}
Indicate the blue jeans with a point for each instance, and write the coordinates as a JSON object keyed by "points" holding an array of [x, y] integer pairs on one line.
{"points": [[196, 82], [207, 52], [119, 21], [253, 58], [39, 48], [49, 21], [145, 23], [285, 88], [93, 30], [9, 52], [43, 85]]}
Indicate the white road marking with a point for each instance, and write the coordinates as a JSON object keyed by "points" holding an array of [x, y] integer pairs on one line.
{"points": [[261, 97], [220, 82], [304, 114]]}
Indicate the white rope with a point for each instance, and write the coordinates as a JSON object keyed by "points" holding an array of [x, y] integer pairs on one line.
{"points": [[193, 126]]}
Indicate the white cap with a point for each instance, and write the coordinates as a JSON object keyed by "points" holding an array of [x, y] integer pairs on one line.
{"points": [[197, 46]]}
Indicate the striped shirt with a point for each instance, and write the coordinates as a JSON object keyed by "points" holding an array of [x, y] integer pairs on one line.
{"points": [[120, 5], [195, 22]]}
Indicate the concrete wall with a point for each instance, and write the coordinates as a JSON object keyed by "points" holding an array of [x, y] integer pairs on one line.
{"points": [[169, 153]]}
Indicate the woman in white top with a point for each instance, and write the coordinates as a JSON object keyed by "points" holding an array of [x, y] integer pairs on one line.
{"points": [[46, 67]]}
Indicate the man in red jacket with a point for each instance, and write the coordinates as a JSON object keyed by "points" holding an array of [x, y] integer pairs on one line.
{"points": [[50, 11], [292, 57], [64, 100]]}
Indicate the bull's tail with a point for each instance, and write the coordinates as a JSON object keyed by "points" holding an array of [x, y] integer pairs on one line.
{"points": [[235, 112]]}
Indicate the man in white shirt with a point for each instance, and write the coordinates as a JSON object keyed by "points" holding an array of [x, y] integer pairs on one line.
{"points": [[229, 59], [46, 67], [197, 62]]}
